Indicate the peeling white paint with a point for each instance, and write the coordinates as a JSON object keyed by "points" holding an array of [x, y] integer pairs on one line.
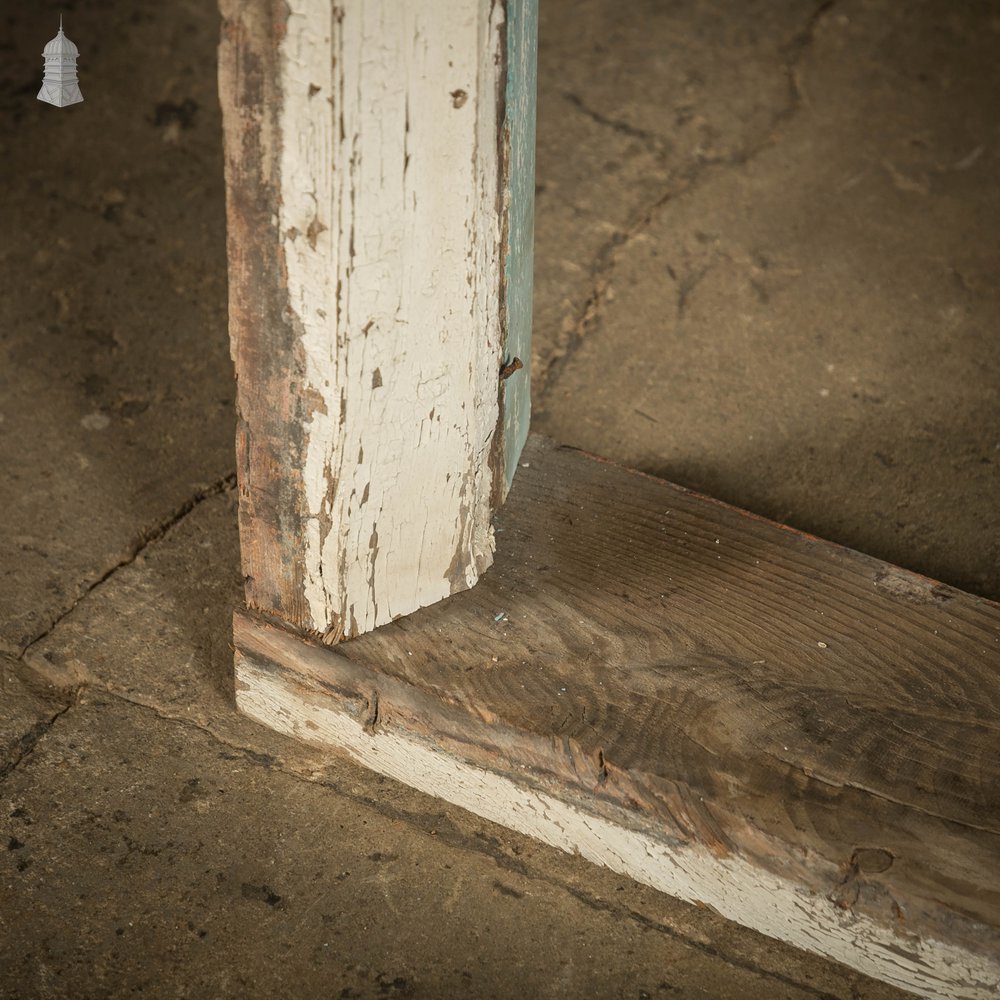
{"points": [[390, 229], [732, 886]]}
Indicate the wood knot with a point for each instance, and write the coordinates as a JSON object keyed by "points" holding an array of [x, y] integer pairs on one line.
{"points": [[858, 892], [871, 860]]}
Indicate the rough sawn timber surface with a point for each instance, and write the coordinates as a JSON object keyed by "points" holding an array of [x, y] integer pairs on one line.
{"points": [[376, 243], [797, 735]]}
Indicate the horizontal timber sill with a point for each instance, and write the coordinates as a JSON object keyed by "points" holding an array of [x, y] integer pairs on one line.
{"points": [[797, 735]]}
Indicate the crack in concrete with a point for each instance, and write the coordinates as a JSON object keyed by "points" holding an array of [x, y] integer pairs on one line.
{"points": [[683, 182], [28, 741], [445, 831], [793, 53], [705, 947], [687, 284], [655, 143], [138, 546]]}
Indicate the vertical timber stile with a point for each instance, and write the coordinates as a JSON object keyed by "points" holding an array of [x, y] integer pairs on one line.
{"points": [[379, 167]]}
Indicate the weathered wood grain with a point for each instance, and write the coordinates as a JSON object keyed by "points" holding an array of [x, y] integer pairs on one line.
{"points": [[375, 246], [798, 735]]}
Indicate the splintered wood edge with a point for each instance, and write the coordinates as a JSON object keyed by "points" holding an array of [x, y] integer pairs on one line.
{"points": [[281, 682]]}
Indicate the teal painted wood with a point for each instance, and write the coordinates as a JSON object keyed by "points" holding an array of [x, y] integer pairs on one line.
{"points": [[519, 126]]}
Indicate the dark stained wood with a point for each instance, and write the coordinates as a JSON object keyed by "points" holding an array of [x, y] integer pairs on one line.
{"points": [[709, 677], [263, 336]]}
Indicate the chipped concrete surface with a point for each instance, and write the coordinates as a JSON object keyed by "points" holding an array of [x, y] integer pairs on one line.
{"points": [[798, 297], [26, 716], [115, 383], [767, 227]]}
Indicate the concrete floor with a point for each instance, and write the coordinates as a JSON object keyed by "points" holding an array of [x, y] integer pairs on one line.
{"points": [[766, 268]]}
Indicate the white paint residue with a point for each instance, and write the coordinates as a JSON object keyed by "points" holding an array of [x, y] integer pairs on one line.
{"points": [[390, 229], [308, 214], [733, 887]]}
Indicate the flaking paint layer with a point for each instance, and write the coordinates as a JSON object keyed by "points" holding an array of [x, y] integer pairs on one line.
{"points": [[390, 228]]}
